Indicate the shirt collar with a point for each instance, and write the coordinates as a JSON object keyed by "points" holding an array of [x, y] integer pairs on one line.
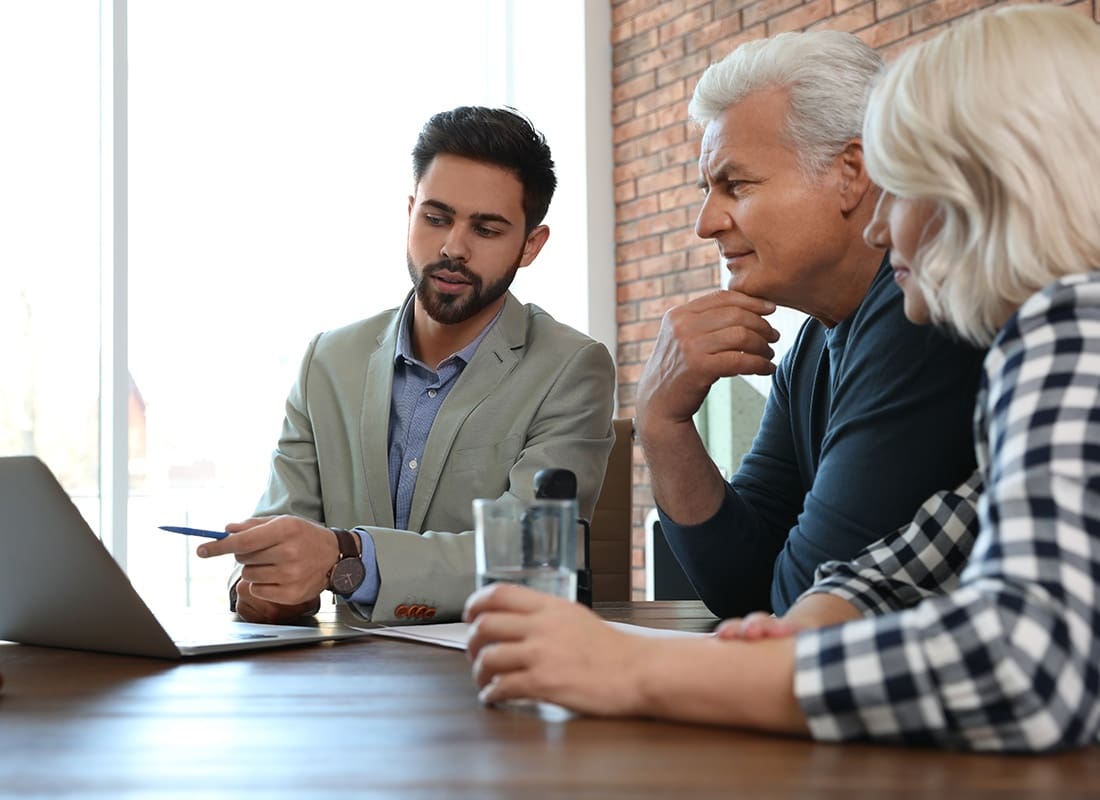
{"points": [[404, 350]]}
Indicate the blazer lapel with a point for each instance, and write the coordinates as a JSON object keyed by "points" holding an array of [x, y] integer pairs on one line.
{"points": [[374, 425], [498, 355]]}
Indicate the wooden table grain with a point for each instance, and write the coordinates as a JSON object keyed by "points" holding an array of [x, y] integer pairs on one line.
{"points": [[388, 718]]}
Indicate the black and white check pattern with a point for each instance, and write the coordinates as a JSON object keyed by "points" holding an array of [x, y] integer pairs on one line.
{"points": [[983, 626]]}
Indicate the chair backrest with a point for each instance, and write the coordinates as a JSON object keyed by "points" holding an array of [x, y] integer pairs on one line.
{"points": [[609, 540]]}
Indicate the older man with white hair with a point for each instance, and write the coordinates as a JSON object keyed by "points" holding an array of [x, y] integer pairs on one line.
{"points": [[868, 415]]}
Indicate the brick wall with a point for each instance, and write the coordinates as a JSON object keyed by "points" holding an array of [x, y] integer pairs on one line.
{"points": [[660, 47]]}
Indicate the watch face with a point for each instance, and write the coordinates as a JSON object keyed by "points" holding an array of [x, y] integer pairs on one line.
{"points": [[347, 575]]}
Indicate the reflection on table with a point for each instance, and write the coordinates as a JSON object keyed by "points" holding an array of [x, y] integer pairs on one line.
{"points": [[381, 717]]}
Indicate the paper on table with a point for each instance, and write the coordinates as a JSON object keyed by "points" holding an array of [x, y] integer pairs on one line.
{"points": [[453, 634]]}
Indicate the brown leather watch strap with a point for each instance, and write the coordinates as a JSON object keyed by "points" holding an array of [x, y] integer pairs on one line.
{"points": [[346, 541], [346, 575]]}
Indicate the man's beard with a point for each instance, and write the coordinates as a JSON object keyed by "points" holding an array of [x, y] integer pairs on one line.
{"points": [[450, 309]]}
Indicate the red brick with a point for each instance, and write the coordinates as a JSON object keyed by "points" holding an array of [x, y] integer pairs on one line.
{"points": [[940, 11], [764, 10], [723, 8], [689, 67], [637, 249], [658, 15], [626, 312], [798, 18], [653, 60], [722, 27], [685, 195], [629, 373], [628, 9], [621, 32], [655, 309], [704, 256], [885, 32], [1084, 8], [669, 94], [893, 51], [686, 23], [634, 46], [662, 265], [682, 239], [627, 272], [661, 141], [633, 88], [638, 290], [631, 169], [690, 280], [639, 331], [685, 153], [720, 50], [636, 209], [671, 178], [656, 224], [888, 8], [625, 191], [629, 353], [854, 19], [640, 125], [676, 115], [840, 6], [622, 112]]}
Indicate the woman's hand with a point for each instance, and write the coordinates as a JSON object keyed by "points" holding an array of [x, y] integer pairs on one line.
{"points": [[526, 644]]}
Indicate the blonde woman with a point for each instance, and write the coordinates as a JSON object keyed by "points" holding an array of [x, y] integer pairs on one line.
{"points": [[978, 625]]}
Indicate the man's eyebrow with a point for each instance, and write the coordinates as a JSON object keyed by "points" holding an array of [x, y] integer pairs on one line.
{"points": [[727, 171], [446, 209], [480, 216], [490, 217]]}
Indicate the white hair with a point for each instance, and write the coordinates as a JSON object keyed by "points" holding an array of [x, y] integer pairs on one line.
{"points": [[997, 123], [827, 73]]}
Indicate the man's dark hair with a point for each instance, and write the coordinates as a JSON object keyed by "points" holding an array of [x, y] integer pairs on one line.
{"points": [[497, 136]]}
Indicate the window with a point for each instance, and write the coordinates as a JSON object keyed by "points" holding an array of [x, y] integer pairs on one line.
{"points": [[267, 155], [49, 250]]}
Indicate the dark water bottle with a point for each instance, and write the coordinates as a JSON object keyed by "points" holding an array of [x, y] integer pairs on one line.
{"points": [[561, 484]]}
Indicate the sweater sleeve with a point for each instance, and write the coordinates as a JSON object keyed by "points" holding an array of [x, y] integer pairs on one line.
{"points": [[846, 452], [1010, 659]]}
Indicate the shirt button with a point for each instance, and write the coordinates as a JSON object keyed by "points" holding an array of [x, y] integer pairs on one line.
{"points": [[412, 464], [432, 393]]}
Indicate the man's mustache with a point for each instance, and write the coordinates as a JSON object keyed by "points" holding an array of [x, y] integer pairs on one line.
{"points": [[447, 265]]}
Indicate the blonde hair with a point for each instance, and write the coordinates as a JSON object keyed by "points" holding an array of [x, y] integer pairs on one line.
{"points": [[997, 123], [827, 73]]}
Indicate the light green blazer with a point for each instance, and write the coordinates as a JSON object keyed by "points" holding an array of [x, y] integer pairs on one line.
{"points": [[536, 394]]}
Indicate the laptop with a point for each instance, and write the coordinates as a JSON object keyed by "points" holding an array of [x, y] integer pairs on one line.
{"points": [[59, 587]]}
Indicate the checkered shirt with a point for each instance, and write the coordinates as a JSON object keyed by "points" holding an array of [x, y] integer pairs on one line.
{"points": [[982, 626]]}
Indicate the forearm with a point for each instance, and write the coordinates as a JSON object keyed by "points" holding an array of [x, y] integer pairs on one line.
{"points": [[737, 684], [686, 483], [820, 610]]}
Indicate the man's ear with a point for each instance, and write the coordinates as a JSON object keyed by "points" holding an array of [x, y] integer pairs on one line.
{"points": [[535, 240], [411, 201], [854, 183]]}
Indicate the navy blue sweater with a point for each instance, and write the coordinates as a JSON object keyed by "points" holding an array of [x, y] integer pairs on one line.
{"points": [[863, 423]]}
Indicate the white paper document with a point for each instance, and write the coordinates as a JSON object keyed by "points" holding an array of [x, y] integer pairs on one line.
{"points": [[453, 634]]}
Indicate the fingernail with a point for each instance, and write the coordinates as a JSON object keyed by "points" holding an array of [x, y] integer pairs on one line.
{"points": [[202, 552]]}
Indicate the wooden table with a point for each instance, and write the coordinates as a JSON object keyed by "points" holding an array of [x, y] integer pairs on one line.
{"points": [[381, 717]]}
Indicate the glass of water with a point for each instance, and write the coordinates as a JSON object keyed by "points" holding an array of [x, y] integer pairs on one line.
{"points": [[533, 544]]}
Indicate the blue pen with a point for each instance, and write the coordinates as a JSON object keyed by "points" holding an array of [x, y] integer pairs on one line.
{"points": [[194, 531]]}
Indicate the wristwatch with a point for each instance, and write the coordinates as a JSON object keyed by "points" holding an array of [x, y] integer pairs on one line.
{"points": [[348, 572]]}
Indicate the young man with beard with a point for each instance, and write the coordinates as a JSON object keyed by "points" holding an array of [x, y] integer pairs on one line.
{"points": [[397, 422]]}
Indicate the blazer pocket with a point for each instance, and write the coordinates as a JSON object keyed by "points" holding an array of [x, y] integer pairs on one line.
{"points": [[505, 451]]}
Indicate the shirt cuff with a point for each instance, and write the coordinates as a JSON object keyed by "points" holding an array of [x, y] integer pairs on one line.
{"points": [[367, 592]]}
